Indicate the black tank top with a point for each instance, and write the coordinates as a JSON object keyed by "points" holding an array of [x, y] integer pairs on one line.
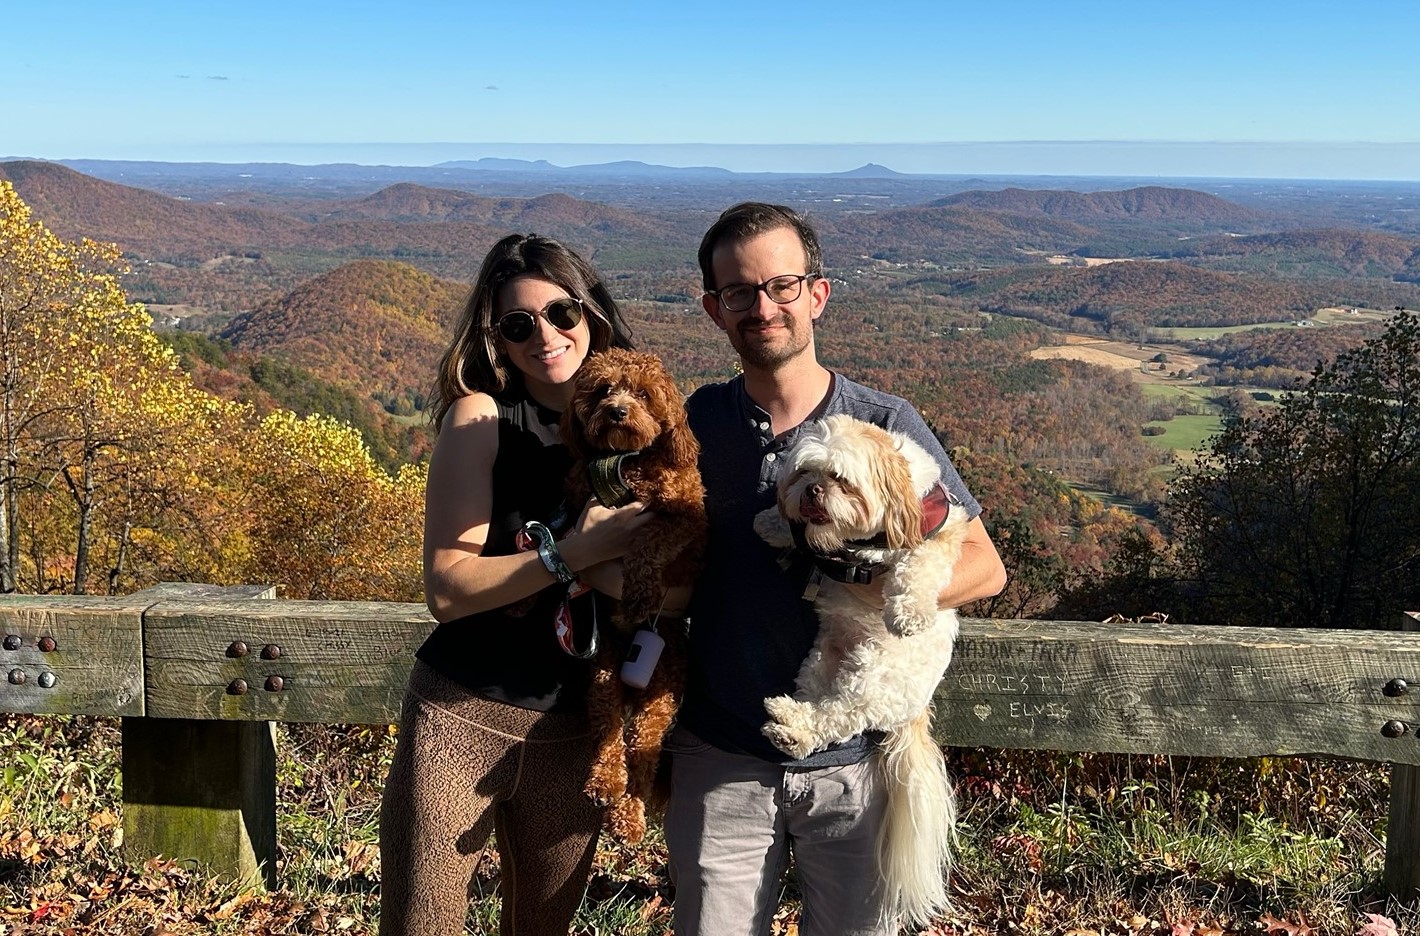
{"points": [[511, 654]]}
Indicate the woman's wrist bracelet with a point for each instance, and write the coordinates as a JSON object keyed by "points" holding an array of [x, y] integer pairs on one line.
{"points": [[547, 551]]}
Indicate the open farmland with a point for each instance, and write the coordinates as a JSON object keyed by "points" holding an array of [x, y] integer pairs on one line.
{"points": [[1123, 355]]}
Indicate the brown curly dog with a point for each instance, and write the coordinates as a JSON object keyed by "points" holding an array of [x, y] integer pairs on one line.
{"points": [[629, 439]]}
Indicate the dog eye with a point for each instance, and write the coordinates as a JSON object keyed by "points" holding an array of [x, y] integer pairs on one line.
{"points": [[643, 394], [601, 391]]}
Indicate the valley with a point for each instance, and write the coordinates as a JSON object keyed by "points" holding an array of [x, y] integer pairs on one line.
{"points": [[1026, 297]]}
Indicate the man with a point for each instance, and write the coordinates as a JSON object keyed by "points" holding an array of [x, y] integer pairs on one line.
{"points": [[739, 806]]}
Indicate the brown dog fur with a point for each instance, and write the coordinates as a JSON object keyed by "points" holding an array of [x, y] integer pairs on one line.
{"points": [[626, 401]]}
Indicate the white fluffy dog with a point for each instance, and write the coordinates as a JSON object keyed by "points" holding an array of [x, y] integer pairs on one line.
{"points": [[858, 495]]}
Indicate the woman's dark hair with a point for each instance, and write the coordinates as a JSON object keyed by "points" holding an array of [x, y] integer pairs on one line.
{"points": [[473, 362]]}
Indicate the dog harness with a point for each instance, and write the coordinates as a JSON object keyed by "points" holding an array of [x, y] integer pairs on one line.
{"points": [[608, 484], [847, 565]]}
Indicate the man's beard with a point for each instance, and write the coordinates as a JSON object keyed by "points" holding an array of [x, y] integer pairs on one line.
{"points": [[757, 354]]}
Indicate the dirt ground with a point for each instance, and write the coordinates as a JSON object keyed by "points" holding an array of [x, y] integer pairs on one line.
{"points": [[1059, 260], [1123, 355]]}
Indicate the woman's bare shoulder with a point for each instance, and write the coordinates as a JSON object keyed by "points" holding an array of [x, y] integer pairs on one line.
{"points": [[474, 407]]}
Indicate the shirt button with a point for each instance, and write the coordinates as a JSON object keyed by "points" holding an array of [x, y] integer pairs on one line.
{"points": [[764, 425], [770, 457]]}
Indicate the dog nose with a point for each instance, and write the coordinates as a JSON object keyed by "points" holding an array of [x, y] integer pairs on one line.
{"points": [[816, 490], [618, 413]]}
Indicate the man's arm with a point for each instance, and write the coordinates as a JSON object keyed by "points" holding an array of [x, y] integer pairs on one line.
{"points": [[979, 573]]}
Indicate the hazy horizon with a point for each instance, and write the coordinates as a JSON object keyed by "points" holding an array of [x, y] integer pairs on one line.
{"points": [[1305, 89], [1338, 161]]}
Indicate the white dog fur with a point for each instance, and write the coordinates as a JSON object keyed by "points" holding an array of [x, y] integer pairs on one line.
{"points": [[849, 480]]}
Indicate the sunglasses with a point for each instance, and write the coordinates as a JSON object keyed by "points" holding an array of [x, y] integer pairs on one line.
{"points": [[517, 325]]}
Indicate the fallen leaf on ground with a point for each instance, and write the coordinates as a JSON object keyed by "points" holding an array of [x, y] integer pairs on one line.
{"points": [[1377, 925]]}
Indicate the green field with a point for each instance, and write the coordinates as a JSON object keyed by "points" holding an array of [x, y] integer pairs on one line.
{"points": [[1186, 432], [1195, 393], [1321, 318], [1204, 334]]}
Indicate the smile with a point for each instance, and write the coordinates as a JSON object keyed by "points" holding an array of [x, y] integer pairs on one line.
{"points": [[551, 355]]}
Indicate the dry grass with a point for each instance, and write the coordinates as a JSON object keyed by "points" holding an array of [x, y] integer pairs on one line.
{"points": [[1052, 844]]}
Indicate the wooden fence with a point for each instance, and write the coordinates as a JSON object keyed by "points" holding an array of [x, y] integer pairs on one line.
{"points": [[199, 673]]}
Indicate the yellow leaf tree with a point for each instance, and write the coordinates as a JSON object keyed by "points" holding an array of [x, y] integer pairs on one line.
{"points": [[115, 471], [329, 523], [46, 286]]}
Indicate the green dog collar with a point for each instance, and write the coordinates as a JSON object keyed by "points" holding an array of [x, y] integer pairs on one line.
{"points": [[608, 485]]}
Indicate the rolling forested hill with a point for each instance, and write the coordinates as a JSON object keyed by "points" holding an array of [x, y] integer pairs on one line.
{"points": [[233, 258], [1324, 252], [143, 223], [374, 325], [1155, 202]]}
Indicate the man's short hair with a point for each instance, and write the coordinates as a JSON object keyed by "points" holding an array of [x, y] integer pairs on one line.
{"points": [[751, 219]]}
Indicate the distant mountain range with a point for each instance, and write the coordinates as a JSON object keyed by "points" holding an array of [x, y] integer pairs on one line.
{"points": [[625, 167], [234, 257], [632, 168], [410, 219], [406, 202], [457, 171]]}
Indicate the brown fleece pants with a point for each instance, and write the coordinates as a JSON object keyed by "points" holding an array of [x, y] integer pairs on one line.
{"points": [[464, 767]]}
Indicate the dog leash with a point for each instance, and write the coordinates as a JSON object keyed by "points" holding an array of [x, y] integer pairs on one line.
{"points": [[534, 535]]}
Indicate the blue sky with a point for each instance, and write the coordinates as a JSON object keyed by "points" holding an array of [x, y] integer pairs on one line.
{"points": [[1293, 88]]}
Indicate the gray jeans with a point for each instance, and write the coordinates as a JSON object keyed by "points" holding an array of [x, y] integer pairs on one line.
{"points": [[733, 821]]}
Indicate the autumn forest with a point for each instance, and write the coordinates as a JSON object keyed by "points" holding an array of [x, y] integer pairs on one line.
{"points": [[1195, 402], [230, 386]]}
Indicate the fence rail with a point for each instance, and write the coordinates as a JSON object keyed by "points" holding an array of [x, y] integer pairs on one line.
{"points": [[198, 673]]}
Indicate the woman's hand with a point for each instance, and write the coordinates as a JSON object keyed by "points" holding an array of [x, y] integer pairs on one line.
{"points": [[607, 578], [603, 533]]}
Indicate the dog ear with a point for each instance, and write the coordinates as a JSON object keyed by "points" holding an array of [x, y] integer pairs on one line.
{"points": [[902, 512], [681, 446]]}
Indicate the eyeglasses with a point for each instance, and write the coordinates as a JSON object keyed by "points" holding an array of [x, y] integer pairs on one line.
{"points": [[740, 297], [517, 325]]}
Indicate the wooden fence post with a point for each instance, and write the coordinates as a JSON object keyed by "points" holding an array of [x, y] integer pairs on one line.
{"points": [[201, 791], [1402, 847]]}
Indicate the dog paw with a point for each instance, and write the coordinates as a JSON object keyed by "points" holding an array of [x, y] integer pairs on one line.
{"points": [[604, 791], [789, 740], [790, 730], [786, 710], [905, 618], [626, 820]]}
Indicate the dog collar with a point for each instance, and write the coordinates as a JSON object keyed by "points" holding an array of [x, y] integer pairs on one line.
{"points": [[845, 564], [607, 483]]}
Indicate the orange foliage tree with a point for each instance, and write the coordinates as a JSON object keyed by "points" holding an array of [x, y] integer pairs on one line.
{"points": [[113, 464]]}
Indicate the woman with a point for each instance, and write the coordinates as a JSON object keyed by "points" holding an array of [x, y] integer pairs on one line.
{"points": [[494, 734]]}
